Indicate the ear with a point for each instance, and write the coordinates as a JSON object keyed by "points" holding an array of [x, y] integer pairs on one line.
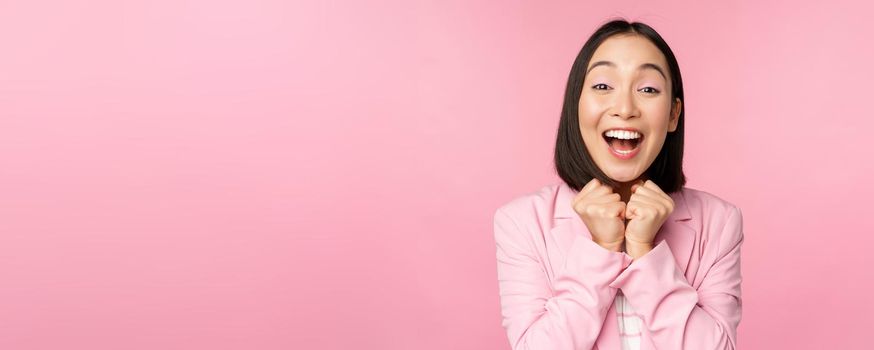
{"points": [[676, 107]]}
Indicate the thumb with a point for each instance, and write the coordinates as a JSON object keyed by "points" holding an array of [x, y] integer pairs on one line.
{"points": [[630, 213], [637, 184]]}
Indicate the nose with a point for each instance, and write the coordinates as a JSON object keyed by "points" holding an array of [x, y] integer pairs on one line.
{"points": [[624, 105]]}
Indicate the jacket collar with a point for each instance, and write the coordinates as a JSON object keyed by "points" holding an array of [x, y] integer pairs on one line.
{"points": [[678, 231]]}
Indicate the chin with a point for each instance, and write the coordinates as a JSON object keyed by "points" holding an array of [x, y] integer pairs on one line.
{"points": [[623, 177]]}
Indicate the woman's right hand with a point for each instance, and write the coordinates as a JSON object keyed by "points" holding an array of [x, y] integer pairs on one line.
{"points": [[603, 212]]}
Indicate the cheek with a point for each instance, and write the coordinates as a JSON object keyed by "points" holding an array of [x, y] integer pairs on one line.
{"points": [[590, 110], [660, 115]]}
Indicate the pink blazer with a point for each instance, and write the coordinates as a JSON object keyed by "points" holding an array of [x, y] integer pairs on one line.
{"points": [[557, 286]]}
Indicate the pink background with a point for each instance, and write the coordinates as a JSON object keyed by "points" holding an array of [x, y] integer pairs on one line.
{"points": [[275, 175]]}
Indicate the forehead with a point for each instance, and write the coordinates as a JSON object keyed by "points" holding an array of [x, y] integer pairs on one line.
{"points": [[628, 50]]}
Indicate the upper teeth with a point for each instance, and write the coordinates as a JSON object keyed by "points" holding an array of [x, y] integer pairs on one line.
{"points": [[622, 134]]}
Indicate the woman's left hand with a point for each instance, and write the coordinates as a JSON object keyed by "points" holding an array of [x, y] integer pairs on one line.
{"points": [[647, 209]]}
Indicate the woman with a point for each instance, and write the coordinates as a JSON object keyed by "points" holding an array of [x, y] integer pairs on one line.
{"points": [[620, 255]]}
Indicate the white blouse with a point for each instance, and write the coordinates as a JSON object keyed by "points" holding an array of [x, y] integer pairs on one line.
{"points": [[630, 323]]}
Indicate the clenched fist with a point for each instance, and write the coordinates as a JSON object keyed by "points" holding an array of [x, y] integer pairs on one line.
{"points": [[612, 222], [646, 211], [603, 212]]}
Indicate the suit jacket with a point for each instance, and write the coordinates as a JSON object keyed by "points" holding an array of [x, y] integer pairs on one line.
{"points": [[557, 286]]}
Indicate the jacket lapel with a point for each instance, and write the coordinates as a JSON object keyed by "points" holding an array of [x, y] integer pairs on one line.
{"points": [[677, 231]]}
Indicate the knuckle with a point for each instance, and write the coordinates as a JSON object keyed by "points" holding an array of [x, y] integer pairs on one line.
{"points": [[588, 209], [602, 211]]}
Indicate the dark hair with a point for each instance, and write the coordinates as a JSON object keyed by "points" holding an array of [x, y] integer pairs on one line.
{"points": [[572, 160]]}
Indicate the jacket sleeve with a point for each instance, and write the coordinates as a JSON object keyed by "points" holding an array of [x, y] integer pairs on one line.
{"points": [[566, 314], [677, 315]]}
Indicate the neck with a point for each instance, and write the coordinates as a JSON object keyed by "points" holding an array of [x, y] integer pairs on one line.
{"points": [[624, 189]]}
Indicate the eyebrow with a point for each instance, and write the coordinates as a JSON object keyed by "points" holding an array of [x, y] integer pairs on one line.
{"points": [[642, 66]]}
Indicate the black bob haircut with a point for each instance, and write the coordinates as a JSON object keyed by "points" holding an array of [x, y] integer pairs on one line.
{"points": [[572, 160]]}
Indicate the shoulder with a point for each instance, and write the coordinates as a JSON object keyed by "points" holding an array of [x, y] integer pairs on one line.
{"points": [[717, 217], [708, 205], [527, 215], [706, 200]]}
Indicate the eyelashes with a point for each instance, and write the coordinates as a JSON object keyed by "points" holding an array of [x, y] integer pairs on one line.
{"points": [[646, 90]]}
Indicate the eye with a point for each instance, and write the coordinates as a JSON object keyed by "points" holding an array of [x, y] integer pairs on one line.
{"points": [[649, 90], [601, 86]]}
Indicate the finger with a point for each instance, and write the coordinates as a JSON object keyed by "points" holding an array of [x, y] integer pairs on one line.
{"points": [[592, 205], [662, 197], [657, 194], [649, 184], [639, 209], [604, 210], [593, 188], [595, 194], [602, 188], [645, 192], [606, 198], [613, 210], [643, 201], [587, 188], [631, 210], [601, 191], [592, 184], [636, 184], [648, 206], [648, 195]]}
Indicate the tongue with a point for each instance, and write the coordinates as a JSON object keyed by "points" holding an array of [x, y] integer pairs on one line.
{"points": [[623, 145]]}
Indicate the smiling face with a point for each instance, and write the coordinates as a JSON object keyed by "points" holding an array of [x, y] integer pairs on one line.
{"points": [[627, 87]]}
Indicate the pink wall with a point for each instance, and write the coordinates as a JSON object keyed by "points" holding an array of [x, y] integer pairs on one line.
{"points": [[265, 175]]}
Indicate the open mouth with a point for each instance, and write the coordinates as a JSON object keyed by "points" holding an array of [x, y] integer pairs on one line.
{"points": [[623, 143]]}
